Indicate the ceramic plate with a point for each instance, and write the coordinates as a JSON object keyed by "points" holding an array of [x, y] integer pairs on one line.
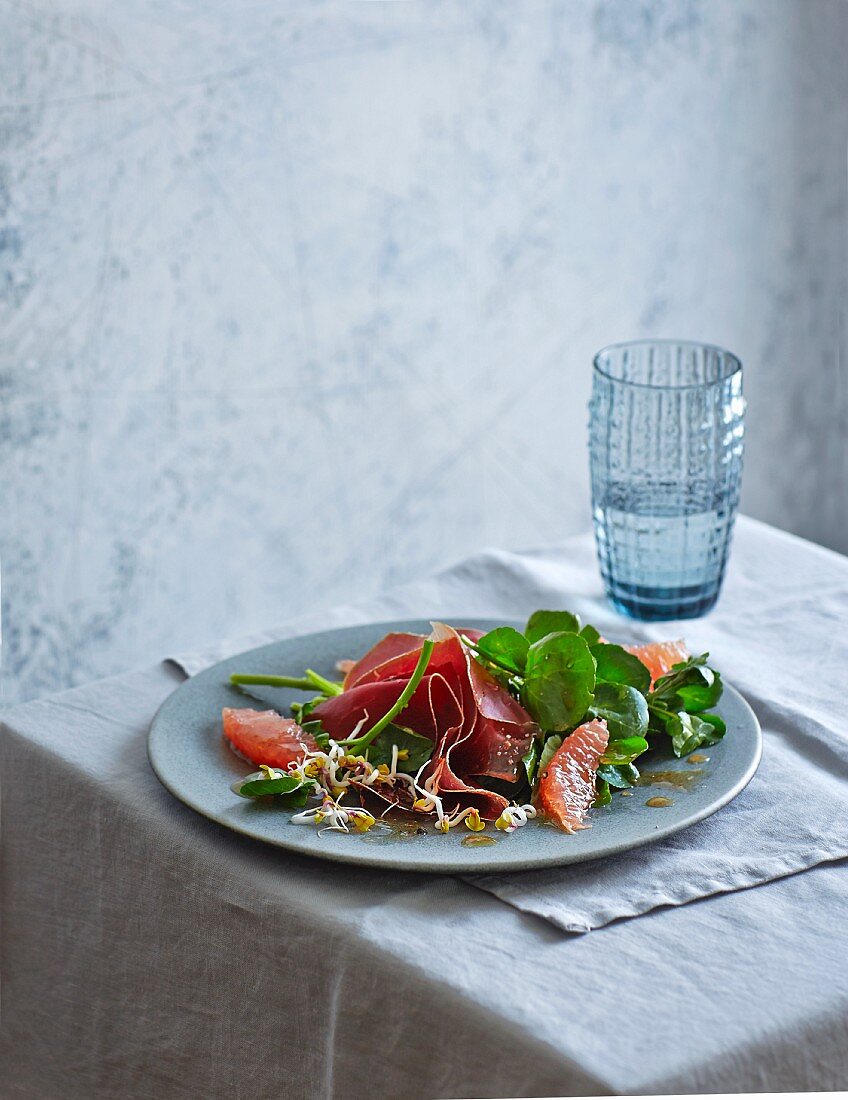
{"points": [[189, 756]]}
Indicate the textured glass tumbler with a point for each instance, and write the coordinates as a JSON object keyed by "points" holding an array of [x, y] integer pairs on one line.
{"points": [[665, 443]]}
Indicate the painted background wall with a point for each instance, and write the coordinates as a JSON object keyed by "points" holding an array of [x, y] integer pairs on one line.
{"points": [[299, 300]]}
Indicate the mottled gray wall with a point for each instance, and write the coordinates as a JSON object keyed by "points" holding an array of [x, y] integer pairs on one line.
{"points": [[298, 300]]}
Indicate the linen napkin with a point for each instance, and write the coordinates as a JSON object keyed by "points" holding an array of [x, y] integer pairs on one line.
{"points": [[776, 635]]}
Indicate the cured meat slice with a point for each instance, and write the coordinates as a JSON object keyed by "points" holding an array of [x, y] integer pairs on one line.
{"points": [[388, 649], [478, 729], [458, 795], [396, 655], [494, 730], [367, 703]]}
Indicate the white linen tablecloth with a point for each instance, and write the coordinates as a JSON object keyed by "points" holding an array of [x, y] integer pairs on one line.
{"points": [[147, 952]]}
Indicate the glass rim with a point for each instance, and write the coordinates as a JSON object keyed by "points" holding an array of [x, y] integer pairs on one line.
{"points": [[734, 362]]}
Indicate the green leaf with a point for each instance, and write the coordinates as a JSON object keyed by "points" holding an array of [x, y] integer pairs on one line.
{"points": [[296, 800], [322, 738], [558, 681], [699, 694], [284, 785], [603, 796], [591, 635], [618, 775], [542, 623], [694, 670], [505, 647], [418, 749], [689, 732], [679, 674], [530, 760], [624, 709], [617, 666], [301, 711], [549, 750], [716, 722], [624, 751], [657, 731], [257, 788], [691, 687]]}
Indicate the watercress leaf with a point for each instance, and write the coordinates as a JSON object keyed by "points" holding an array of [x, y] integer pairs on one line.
{"points": [[602, 792], [657, 731], [692, 670], [504, 646], [623, 708], [542, 623], [295, 800], [591, 635], [413, 749], [624, 750], [684, 735], [559, 680], [689, 732], [699, 660], [617, 666], [549, 750], [716, 722], [315, 728], [530, 760], [618, 775], [301, 711], [258, 788], [698, 694]]}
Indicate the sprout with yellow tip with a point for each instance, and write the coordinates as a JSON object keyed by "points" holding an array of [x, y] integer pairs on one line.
{"points": [[514, 817], [361, 820]]}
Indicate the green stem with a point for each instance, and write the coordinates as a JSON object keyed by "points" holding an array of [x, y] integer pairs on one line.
{"points": [[310, 682], [365, 739], [272, 681], [329, 687]]}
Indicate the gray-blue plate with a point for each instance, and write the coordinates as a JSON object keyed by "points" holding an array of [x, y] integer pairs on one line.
{"points": [[190, 757]]}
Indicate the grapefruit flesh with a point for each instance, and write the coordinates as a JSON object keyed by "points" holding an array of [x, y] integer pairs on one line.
{"points": [[567, 785], [658, 657], [265, 737]]}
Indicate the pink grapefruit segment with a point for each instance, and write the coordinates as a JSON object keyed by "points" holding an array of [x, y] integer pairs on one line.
{"points": [[567, 785], [265, 737], [658, 657]]}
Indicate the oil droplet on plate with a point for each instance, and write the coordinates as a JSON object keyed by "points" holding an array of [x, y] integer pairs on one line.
{"points": [[627, 794], [478, 841], [682, 780], [698, 758], [658, 800]]}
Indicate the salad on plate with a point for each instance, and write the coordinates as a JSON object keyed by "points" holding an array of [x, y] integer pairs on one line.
{"points": [[465, 728]]}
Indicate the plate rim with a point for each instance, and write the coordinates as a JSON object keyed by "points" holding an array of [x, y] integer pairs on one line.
{"points": [[361, 857]]}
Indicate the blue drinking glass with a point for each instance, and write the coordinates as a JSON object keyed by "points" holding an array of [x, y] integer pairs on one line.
{"points": [[667, 421]]}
